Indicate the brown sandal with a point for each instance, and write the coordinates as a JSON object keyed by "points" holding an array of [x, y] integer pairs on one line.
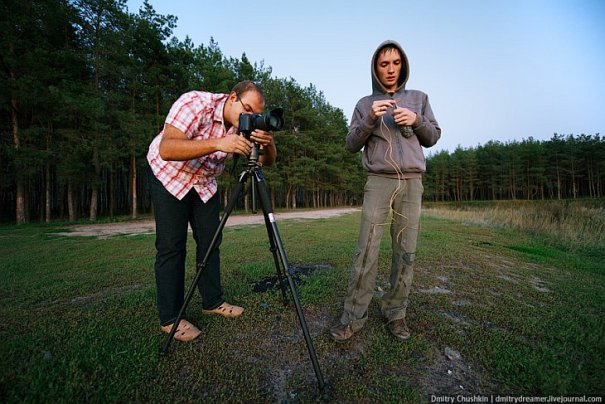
{"points": [[185, 331], [226, 310]]}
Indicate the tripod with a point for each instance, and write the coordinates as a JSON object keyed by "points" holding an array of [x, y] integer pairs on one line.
{"points": [[254, 173]]}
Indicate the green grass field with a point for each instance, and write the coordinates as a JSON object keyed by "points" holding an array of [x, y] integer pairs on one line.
{"points": [[492, 310]]}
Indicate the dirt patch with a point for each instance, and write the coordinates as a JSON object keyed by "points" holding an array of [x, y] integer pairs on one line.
{"points": [[101, 294], [450, 374], [105, 230], [298, 272]]}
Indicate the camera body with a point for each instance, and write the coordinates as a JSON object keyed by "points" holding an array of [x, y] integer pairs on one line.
{"points": [[269, 121]]}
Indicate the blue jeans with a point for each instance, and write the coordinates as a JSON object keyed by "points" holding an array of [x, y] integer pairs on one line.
{"points": [[172, 218]]}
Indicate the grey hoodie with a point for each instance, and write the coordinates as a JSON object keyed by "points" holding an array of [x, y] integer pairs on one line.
{"points": [[386, 152]]}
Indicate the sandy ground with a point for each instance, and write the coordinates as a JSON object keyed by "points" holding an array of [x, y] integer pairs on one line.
{"points": [[148, 226]]}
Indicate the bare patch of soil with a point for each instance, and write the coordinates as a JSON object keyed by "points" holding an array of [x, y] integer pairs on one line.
{"points": [[101, 294], [105, 230], [450, 374]]}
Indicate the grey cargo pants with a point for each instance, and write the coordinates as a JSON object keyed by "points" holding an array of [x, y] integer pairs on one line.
{"points": [[380, 195]]}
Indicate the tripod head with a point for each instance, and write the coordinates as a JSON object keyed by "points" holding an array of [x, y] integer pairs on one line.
{"points": [[253, 159], [254, 155]]}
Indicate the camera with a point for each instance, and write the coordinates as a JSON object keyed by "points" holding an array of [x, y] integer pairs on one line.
{"points": [[269, 121]]}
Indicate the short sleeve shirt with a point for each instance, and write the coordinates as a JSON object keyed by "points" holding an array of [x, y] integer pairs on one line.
{"points": [[199, 115]]}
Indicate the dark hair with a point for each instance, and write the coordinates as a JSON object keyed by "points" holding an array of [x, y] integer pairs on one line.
{"points": [[385, 49], [245, 86], [388, 48]]}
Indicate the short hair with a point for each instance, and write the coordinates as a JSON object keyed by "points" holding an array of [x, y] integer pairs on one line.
{"points": [[245, 86], [388, 48]]}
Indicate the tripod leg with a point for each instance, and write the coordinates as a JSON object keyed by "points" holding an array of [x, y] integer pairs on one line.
{"points": [[200, 268], [266, 205], [279, 265]]}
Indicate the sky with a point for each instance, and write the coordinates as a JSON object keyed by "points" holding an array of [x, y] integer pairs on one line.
{"points": [[493, 70]]}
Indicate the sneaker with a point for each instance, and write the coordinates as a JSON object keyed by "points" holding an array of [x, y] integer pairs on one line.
{"points": [[399, 329], [341, 332]]}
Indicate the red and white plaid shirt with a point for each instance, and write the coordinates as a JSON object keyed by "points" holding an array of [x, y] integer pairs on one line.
{"points": [[200, 116]]}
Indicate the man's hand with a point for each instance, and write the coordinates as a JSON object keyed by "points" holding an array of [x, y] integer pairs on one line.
{"points": [[235, 144], [380, 108], [404, 117], [261, 137]]}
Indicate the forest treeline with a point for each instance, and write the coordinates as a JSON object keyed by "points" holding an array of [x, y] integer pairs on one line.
{"points": [[564, 167], [86, 85]]}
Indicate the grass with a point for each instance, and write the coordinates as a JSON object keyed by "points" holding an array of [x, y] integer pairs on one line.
{"points": [[79, 321], [574, 224]]}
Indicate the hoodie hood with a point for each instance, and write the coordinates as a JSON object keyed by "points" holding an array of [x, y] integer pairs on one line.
{"points": [[377, 87]]}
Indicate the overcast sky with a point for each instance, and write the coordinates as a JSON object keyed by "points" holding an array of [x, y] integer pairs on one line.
{"points": [[493, 70]]}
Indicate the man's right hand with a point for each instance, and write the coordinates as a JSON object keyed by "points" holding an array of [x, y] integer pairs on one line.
{"points": [[380, 108], [235, 144]]}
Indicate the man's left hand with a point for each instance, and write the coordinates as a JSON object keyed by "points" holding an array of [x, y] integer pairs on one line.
{"points": [[404, 116], [261, 137]]}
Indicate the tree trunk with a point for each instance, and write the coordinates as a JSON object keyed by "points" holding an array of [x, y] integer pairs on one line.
{"points": [[48, 194], [94, 204], [20, 197], [133, 185], [47, 185], [94, 196], [112, 191], [71, 208], [288, 195]]}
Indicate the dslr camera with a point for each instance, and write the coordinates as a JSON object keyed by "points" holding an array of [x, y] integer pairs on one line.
{"points": [[269, 121]]}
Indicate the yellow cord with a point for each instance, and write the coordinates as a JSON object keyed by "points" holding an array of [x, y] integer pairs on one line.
{"points": [[388, 156]]}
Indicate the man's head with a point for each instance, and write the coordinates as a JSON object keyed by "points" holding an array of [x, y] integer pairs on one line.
{"points": [[388, 66], [245, 98]]}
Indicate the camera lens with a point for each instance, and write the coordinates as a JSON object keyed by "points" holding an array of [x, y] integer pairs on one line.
{"points": [[274, 119], [270, 121]]}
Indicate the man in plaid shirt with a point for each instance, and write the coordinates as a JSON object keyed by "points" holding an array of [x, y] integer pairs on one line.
{"points": [[199, 135]]}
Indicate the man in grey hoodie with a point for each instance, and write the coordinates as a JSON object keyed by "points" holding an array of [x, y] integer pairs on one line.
{"points": [[391, 126]]}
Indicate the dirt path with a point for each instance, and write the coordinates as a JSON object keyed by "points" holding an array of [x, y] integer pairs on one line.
{"points": [[148, 226]]}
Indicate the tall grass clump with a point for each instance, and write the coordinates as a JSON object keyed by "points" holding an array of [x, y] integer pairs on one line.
{"points": [[577, 224]]}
